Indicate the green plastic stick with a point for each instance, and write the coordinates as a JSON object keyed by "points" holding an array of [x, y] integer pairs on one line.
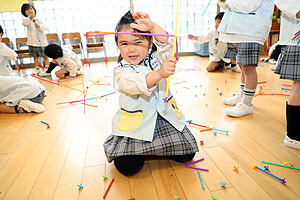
{"points": [[280, 165]]}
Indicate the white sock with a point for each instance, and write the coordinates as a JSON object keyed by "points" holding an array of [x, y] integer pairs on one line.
{"points": [[242, 86], [248, 96]]}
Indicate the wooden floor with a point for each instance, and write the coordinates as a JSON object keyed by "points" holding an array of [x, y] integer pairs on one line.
{"points": [[39, 163]]}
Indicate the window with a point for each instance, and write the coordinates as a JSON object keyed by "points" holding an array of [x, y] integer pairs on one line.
{"points": [[95, 15]]}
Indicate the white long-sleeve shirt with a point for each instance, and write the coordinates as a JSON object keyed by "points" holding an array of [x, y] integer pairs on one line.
{"points": [[216, 48], [69, 61], [289, 24], [5, 55], [15, 88], [35, 36], [240, 7]]}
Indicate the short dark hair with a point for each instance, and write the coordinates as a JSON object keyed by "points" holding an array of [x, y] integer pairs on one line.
{"points": [[25, 7], [1, 30], [219, 16], [54, 51]]}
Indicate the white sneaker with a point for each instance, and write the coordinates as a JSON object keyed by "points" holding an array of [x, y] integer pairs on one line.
{"points": [[36, 71], [232, 101], [236, 69], [272, 61], [239, 110], [30, 106], [44, 74], [227, 67], [291, 143]]}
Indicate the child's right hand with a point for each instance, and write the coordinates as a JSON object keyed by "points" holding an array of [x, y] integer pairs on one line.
{"points": [[191, 37], [168, 67]]}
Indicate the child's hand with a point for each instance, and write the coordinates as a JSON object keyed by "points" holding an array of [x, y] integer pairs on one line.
{"points": [[168, 67], [191, 37], [143, 22], [36, 25]]}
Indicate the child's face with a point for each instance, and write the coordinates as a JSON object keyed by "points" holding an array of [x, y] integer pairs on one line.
{"points": [[133, 48], [30, 12], [217, 23], [1, 36]]}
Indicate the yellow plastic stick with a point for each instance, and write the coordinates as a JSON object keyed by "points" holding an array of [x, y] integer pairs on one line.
{"points": [[174, 47], [87, 89]]}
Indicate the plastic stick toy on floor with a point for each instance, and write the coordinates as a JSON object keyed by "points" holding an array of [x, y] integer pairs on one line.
{"points": [[282, 180]]}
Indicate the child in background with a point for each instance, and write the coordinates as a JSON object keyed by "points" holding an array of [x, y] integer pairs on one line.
{"points": [[245, 27], [68, 62], [5, 54], [273, 54], [288, 66], [36, 38], [21, 95], [144, 125], [216, 49]]}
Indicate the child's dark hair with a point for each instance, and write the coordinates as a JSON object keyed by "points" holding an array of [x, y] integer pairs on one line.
{"points": [[54, 51], [125, 21], [25, 7], [1, 30], [219, 16]]}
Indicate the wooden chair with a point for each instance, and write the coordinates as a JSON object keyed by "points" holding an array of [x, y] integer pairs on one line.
{"points": [[95, 44], [52, 38], [74, 39], [22, 50]]}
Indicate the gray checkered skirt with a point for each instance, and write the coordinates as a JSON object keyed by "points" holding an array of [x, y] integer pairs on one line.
{"points": [[167, 141], [244, 53], [288, 64], [36, 51]]}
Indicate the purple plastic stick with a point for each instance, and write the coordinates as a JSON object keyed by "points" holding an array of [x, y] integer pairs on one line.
{"points": [[194, 162], [196, 168], [297, 32], [130, 33]]}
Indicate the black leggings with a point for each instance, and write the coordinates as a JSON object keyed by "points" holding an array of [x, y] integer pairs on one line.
{"points": [[51, 67], [130, 165]]}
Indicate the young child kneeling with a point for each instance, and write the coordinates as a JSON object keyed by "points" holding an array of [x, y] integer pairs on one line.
{"points": [[144, 125], [68, 63], [21, 95]]}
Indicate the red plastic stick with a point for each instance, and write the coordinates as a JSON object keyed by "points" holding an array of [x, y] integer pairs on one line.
{"points": [[112, 180]]}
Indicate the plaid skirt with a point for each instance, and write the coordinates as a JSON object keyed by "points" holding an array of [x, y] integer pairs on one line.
{"points": [[167, 141], [288, 64], [244, 53], [36, 51]]}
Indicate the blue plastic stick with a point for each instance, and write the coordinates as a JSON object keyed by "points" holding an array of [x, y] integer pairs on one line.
{"points": [[201, 180], [281, 180], [45, 123]]}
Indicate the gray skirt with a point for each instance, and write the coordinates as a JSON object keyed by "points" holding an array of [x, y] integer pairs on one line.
{"points": [[167, 141], [244, 53], [36, 51], [288, 64]]}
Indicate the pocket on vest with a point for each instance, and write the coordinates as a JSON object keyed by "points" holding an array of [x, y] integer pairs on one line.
{"points": [[130, 119]]}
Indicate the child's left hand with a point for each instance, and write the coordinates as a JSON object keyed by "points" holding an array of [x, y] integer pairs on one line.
{"points": [[143, 22]]}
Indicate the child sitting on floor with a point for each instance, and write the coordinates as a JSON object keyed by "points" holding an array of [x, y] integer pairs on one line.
{"points": [[68, 62], [216, 49], [5, 54], [20, 95]]}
